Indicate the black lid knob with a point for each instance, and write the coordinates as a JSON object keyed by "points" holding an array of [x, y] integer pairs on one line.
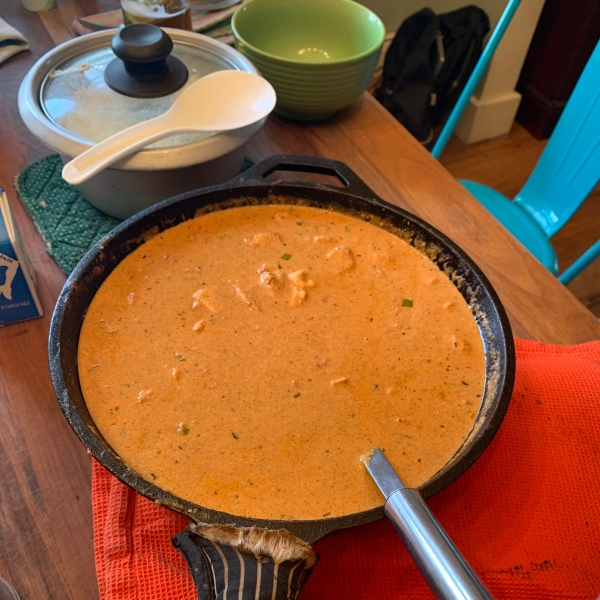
{"points": [[144, 67]]}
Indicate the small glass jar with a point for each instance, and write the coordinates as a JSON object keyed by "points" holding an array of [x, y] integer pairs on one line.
{"points": [[163, 13]]}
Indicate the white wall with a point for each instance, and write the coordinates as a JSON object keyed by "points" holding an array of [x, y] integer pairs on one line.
{"points": [[493, 107], [393, 12]]}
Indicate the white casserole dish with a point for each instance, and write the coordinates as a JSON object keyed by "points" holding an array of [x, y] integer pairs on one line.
{"points": [[151, 175]]}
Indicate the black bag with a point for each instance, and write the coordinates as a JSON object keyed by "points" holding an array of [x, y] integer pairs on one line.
{"points": [[428, 64]]}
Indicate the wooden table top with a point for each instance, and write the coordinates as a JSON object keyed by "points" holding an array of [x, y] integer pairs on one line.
{"points": [[46, 542]]}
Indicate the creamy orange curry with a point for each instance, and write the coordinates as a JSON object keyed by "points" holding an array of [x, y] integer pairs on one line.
{"points": [[245, 359]]}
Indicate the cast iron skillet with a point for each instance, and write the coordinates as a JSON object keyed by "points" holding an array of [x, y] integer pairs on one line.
{"points": [[252, 186]]}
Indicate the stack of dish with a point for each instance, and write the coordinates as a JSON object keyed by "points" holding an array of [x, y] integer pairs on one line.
{"points": [[318, 55]]}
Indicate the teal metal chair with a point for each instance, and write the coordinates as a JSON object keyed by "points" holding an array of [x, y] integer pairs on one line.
{"points": [[478, 71], [581, 263], [564, 176]]}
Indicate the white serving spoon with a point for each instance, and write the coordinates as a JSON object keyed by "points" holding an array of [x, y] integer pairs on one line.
{"points": [[221, 101]]}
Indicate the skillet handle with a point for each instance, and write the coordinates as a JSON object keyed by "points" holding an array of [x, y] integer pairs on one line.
{"points": [[240, 562], [353, 184]]}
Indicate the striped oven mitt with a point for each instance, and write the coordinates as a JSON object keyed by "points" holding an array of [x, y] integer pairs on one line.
{"points": [[245, 563]]}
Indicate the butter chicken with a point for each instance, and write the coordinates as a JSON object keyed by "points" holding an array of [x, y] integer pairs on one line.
{"points": [[245, 359]]}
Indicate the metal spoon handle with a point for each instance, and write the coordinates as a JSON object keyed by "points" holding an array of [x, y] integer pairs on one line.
{"points": [[441, 564], [445, 570]]}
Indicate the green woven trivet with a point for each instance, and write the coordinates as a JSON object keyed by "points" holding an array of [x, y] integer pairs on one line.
{"points": [[68, 224]]}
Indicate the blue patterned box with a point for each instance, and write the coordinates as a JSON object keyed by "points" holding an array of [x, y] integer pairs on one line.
{"points": [[18, 298]]}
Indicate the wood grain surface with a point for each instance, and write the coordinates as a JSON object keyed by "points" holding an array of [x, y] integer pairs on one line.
{"points": [[46, 541]]}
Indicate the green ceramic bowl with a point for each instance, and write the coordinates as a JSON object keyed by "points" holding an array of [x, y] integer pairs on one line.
{"points": [[319, 55]]}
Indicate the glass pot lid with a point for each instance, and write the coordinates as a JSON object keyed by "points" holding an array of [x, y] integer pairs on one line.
{"points": [[76, 97]]}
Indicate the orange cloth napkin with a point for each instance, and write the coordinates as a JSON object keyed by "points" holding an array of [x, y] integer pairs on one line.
{"points": [[526, 515]]}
